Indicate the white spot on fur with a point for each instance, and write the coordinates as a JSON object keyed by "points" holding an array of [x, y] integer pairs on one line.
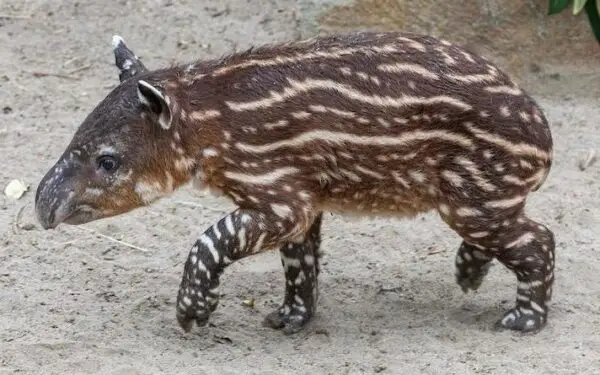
{"points": [[184, 163], [525, 116], [204, 115], [259, 243], [368, 172], [454, 178], [346, 71], [505, 203], [276, 124], [383, 122], [229, 225], [209, 152], [525, 164], [430, 161], [309, 260], [281, 210], [417, 176], [263, 179], [522, 240], [467, 211], [301, 115], [444, 209], [413, 44], [149, 191], [400, 179], [479, 234], [304, 195], [208, 242], [410, 68], [536, 307]]}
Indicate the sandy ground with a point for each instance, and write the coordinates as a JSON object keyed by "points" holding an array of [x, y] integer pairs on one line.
{"points": [[75, 302]]}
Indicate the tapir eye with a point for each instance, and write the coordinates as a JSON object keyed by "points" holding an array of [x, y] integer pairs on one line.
{"points": [[108, 163]]}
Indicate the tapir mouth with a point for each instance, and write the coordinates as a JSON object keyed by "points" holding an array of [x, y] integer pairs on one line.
{"points": [[81, 215], [67, 213], [57, 202], [53, 211]]}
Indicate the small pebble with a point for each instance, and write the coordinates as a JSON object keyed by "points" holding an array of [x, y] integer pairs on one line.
{"points": [[15, 189]]}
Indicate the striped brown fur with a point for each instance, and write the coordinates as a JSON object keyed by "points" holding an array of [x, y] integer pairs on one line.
{"points": [[363, 123]]}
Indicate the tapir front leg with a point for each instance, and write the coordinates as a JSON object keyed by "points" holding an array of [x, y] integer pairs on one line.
{"points": [[237, 235], [300, 262]]}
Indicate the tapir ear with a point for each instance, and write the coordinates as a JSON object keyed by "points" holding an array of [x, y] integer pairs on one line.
{"points": [[156, 102], [128, 63]]}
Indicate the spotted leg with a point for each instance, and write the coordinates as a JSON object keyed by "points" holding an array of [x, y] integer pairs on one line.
{"points": [[529, 252], [472, 265], [519, 243], [300, 262], [237, 235]]}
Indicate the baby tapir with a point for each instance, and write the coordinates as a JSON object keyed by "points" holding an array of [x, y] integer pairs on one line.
{"points": [[363, 123]]}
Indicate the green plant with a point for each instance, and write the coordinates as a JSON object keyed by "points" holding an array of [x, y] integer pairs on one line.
{"points": [[591, 7]]}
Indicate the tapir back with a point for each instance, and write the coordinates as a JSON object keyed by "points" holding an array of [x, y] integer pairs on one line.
{"points": [[377, 120]]}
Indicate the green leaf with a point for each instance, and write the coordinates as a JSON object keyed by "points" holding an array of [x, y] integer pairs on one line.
{"points": [[578, 6], [593, 13], [557, 6]]}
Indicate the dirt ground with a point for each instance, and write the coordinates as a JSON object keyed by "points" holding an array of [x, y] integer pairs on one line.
{"points": [[74, 301]]}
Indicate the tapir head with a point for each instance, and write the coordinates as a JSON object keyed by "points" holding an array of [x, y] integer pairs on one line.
{"points": [[118, 159]]}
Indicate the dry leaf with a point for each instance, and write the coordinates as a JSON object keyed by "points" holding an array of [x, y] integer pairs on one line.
{"points": [[15, 189], [248, 302]]}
